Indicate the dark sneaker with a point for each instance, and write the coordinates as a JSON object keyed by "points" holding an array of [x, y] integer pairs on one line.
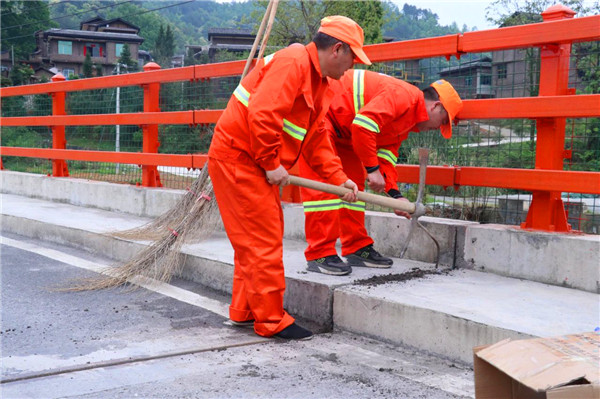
{"points": [[369, 257], [331, 264], [294, 331]]}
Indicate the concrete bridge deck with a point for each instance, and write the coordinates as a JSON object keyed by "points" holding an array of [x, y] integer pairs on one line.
{"points": [[446, 312]]}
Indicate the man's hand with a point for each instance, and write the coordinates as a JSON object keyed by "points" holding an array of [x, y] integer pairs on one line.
{"points": [[402, 213], [350, 197], [376, 181], [279, 177]]}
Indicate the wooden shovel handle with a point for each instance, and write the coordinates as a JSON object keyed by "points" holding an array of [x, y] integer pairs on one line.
{"points": [[362, 196]]}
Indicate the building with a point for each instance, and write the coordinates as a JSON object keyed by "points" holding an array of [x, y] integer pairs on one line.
{"points": [[223, 39], [66, 49], [6, 60], [472, 79]]}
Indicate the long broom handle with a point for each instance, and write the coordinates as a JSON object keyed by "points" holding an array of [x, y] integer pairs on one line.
{"points": [[263, 45], [362, 196], [257, 38]]}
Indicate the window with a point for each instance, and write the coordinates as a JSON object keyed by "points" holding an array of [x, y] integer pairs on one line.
{"points": [[68, 72], [486, 80], [65, 47], [93, 49], [118, 49], [502, 71], [468, 81]]}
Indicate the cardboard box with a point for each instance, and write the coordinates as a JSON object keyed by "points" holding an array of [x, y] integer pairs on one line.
{"points": [[565, 367]]}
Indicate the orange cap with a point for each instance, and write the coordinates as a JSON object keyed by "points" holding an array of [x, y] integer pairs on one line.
{"points": [[451, 102], [348, 31]]}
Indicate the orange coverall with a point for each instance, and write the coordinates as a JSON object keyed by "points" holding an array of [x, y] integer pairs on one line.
{"points": [[271, 118], [368, 119]]}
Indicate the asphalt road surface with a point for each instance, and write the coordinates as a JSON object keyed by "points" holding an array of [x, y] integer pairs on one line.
{"points": [[170, 341]]}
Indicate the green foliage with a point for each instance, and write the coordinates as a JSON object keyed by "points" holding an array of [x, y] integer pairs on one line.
{"points": [[413, 23], [88, 67], [368, 14], [20, 74], [299, 20], [521, 12], [125, 59], [587, 61], [164, 47], [21, 136], [19, 20]]}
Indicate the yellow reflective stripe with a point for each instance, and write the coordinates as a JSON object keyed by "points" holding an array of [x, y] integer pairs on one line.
{"points": [[294, 130], [319, 206], [359, 89], [354, 206], [366, 122], [242, 94], [387, 155]]}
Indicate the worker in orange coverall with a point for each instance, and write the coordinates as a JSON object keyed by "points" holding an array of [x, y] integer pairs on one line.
{"points": [[273, 117], [369, 118]]}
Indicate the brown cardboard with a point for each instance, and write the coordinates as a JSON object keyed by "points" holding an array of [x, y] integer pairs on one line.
{"points": [[544, 368]]}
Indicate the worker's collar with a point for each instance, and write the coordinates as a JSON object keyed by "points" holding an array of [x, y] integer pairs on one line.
{"points": [[314, 57]]}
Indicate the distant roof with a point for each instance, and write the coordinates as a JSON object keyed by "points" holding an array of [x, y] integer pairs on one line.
{"points": [[94, 19], [230, 32], [478, 63], [98, 20], [84, 34]]}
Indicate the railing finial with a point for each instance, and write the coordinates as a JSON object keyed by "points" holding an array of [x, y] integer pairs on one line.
{"points": [[556, 12]]}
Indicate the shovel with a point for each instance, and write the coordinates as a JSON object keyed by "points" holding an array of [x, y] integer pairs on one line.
{"points": [[416, 209]]}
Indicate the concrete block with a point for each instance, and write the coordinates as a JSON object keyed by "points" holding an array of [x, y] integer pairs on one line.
{"points": [[390, 233], [449, 314], [560, 259], [139, 201], [293, 217]]}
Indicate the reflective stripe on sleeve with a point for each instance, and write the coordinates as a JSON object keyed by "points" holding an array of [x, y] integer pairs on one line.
{"points": [[387, 155], [293, 130], [242, 95], [366, 122]]}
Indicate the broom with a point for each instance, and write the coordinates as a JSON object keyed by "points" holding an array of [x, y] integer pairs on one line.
{"points": [[193, 218]]}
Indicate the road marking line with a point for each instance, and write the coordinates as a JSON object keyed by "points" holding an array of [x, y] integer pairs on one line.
{"points": [[169, 290]]}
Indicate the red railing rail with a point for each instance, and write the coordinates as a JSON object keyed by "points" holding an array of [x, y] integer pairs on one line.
{"points": [[555, 103]]}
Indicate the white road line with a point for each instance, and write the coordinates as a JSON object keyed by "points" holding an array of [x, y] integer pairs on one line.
{"points": [[171, 291]]}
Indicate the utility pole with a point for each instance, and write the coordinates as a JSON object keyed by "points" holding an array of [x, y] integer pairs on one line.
{"points": [[118, 110]]}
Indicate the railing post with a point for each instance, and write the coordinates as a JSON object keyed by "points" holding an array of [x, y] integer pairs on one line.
{"points": [[547, 211], [150, 175], [59, 166]]}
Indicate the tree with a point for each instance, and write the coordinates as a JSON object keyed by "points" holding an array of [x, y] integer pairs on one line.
{"points": [[520, 12], [126, 59], [164, 47], [512, 12], [414, 23], [88, 67], [299, 20], [20, 74], [19, 20]]}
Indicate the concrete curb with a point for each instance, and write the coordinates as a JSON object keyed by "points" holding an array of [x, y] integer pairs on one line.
{"points": [[567, 260]]}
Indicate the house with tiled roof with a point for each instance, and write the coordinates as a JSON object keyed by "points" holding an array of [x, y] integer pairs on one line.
{"points": [[66, 49]]}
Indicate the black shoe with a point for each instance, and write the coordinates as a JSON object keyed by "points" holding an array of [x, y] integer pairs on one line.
{"points": [[329, 265], [294, 331], [369, 257]]}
